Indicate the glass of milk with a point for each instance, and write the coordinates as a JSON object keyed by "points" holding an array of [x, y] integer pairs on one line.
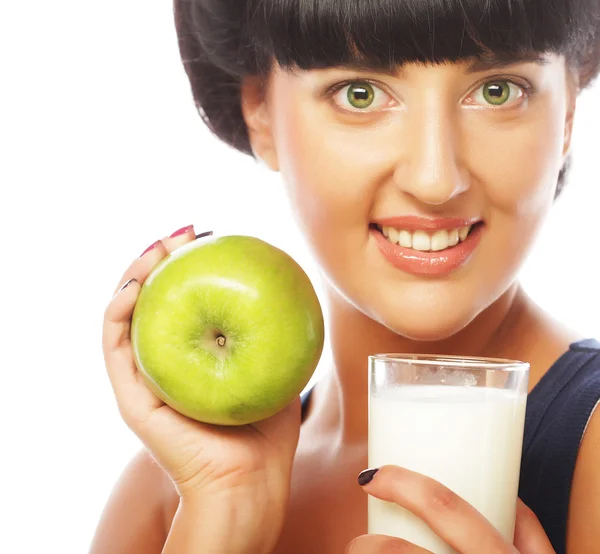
{"points": [[458, 420]]}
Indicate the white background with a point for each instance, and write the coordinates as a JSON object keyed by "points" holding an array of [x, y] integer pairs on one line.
{"points": [[102, 152]]}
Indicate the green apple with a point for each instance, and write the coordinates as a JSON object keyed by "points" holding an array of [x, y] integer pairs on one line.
{"points": [[227, 330]]}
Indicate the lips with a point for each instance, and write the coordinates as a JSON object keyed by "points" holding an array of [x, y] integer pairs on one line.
{"points": [[423, 246]]}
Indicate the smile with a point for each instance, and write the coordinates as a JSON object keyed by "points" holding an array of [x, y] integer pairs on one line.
{"points": [[427, 247]]}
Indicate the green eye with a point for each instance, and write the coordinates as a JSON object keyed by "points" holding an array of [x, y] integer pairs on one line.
{"points": [[360, 95], [496, 92]]}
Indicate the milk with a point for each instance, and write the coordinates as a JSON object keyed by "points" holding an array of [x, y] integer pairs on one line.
{"points": [[468, 438]]}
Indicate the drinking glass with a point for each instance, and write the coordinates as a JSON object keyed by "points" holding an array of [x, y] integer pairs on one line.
{"points": [[458, 420]]}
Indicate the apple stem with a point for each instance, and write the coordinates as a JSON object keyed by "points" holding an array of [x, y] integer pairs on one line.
{"points": [[221, 340]]}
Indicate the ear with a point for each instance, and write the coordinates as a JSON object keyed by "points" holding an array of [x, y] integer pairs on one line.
{"points": [[254, 99], [572, 94]]}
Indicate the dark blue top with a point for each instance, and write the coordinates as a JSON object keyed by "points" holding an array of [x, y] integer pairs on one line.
{"points": [[558, 410]]}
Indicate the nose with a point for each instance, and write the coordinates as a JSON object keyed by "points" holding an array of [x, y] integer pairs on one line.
{"points": [[431, 169]]}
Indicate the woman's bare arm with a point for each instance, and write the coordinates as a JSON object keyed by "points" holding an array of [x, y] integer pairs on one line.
{"points": [[144, 515], [133, 520]]}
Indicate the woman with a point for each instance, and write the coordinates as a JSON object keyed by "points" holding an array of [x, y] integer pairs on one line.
{"points": [[402, 130]]}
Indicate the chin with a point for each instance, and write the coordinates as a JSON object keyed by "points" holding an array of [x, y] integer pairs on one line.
{"points": [[427, 321], [426, 331]]}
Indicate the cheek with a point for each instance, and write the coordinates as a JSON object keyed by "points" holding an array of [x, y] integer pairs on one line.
{"points": [[518, 174], [331, 175], [331, 172], [518, 164]]}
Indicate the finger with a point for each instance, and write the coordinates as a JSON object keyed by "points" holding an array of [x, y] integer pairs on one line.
{"points": [[142, 266], [449, 516], [375, 544], [134, 399], [530, 537], [179, 238]]}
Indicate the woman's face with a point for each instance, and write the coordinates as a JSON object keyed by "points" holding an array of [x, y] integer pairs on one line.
{"points": [[386, 172]]}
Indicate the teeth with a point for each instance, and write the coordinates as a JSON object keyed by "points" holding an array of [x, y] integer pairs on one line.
{"points": [[405, 239], [393, 234], [453, 237], [423, 241], [439, 240]]}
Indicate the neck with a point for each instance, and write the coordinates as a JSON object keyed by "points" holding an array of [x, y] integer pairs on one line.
{"points": [[341, 399]]}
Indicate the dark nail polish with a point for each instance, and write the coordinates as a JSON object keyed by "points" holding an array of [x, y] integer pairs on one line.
{"points": [[151, 247], [127, 284], [366, 476], [204, 234], [182, 231]]}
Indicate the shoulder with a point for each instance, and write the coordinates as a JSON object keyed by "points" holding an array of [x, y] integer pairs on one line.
{"points": [[584, 508], [583, 358], [134, 519]]}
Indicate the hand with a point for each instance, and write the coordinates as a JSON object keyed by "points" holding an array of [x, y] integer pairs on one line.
{"points": [[453, 519], [232, 463]]}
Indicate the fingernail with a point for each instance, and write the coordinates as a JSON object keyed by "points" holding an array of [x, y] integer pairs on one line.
{"points": [[151, 247], [366, 476], [127, 284], [182, 231], [204, 234]]}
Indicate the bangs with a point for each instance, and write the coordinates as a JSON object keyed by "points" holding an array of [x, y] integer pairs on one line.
{"points": [[383, 34]]}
